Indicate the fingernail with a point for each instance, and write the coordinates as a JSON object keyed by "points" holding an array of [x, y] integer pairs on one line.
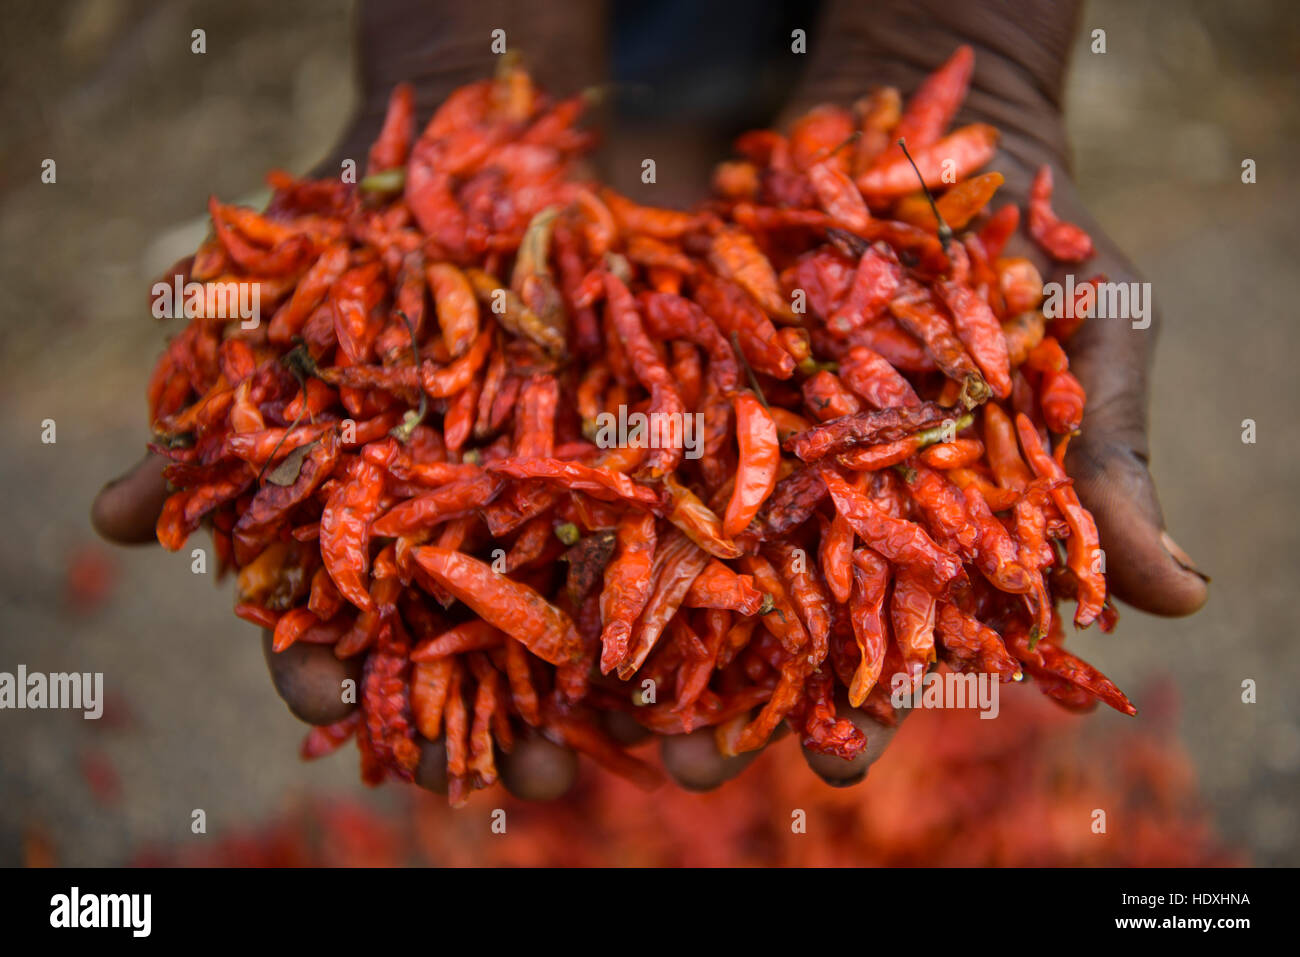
{"points": [[849, 782], [1181, 557]]}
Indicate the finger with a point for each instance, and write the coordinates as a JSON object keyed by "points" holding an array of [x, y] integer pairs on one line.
{"points": [[431, 772], [1145, 567], [695, 762], [839, 773], [1108, 460], [126, 509], [310, 680], [623, 728], [538, 770]]}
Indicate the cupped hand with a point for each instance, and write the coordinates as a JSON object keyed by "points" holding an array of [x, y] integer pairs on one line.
{"points": [[1021, 54], [1109, 457], [310, 678]]}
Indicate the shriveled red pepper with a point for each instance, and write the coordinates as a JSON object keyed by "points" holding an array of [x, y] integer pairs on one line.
{"points": [[627, 586], [901, 541], [511, 606], [1061, 396], [760, 453], [966, 150], [1064, 241], [1083, 547]]}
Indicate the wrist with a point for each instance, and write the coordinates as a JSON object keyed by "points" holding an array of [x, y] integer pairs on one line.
{"points": [[1021, 54]]}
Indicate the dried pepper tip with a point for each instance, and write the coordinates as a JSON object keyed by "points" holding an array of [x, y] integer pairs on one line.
{"points": [[1034, 635], [810, 366], [472, 457], [768, 605], [943, 229], [568, 533], [389, 181], [907, 472], [617, 264], [974, 391]]}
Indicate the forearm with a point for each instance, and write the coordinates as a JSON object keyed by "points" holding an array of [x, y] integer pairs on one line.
{"points": [[1021, 53]]}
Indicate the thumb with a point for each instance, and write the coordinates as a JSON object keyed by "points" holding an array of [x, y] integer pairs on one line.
{"points": [[126, 509], [1145, 567]]}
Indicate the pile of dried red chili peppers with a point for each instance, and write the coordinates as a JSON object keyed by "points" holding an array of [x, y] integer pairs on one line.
{"points": [[403, 462]]}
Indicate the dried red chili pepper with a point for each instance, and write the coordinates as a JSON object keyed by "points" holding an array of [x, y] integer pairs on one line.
{"points": [[390, 149], [628, 583], [511, 606], [901, 541], [1083, 547], [838, 195], [649, 369], [957, 206], [453, 500], [1060, 394], [808, 595], [596, 481], [760, 453], [865, 428], [879, 112], [955, 454], [677, 563], [960, 153], [932, 107], [345, 531], [922, 319], [735, 313], [719, 587], [969, 644], [979, 331], [1064, 241]]}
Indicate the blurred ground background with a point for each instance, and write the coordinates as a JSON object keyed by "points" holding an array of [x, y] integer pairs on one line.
{"points": [[142, 131]]}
